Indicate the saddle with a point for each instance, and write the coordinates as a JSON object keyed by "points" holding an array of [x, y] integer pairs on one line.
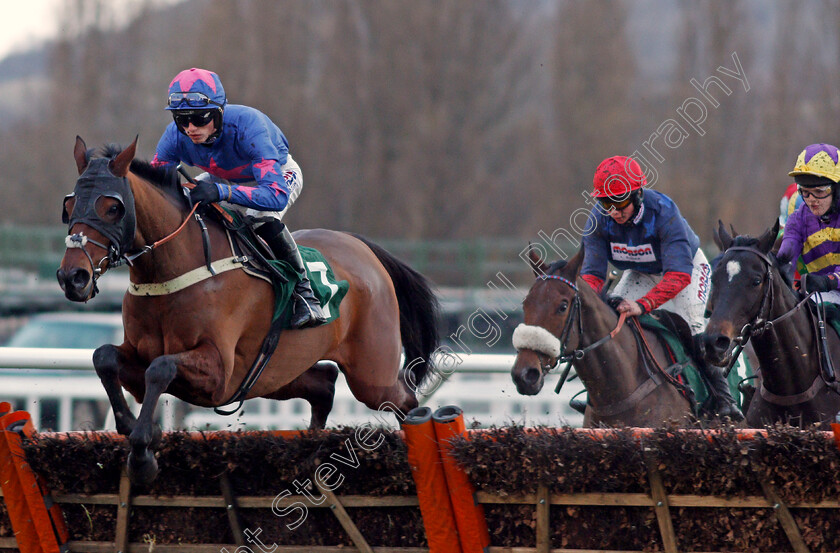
{"points": [[686, 355], [247, 245], [674, 335], [255, 259]]}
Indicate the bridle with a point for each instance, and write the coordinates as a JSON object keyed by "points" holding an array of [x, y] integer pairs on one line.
{"points": [[760, 323], [114, 257], [573, 319]]}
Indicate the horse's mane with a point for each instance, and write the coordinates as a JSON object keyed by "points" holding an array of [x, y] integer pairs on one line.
{"points": [[751, 242], [164, 178], [560, 263]]}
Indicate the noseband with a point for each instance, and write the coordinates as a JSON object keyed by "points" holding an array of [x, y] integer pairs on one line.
{"points": [[79, 240], [574, 314], [760, 324]]}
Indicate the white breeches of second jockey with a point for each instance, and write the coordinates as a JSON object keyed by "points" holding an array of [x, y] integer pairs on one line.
{"points": [[294, 180], [690, 303]]}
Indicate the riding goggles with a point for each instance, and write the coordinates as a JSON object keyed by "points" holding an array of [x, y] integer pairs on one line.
{"points": [[192, 99], [818, 192], [612, 203], [198, 118]]}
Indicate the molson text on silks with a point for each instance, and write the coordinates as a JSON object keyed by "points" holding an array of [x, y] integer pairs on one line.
{"points": [[624, 252]]}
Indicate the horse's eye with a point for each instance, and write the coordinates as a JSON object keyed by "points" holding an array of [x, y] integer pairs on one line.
{"points": [[562, 307], [756, 281]]}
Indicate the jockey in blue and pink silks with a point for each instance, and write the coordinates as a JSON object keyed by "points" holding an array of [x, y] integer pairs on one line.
{"points": [[247, 167], [642, 232]]}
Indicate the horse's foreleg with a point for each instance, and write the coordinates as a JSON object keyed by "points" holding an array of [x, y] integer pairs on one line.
{"points": [[142, 466], [317, 386], [108, 361], [199, 368]]}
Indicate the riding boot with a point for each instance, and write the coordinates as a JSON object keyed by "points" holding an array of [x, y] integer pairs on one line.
{"points": [[722, 401], [307, 310]]}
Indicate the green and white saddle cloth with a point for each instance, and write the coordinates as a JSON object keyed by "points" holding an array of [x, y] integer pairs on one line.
{"points": [[327, 288]]}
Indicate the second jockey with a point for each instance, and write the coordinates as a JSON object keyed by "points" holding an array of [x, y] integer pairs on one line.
{"points": [[247, 167], [643, 233]]}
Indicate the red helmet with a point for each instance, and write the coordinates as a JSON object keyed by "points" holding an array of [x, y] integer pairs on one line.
{"points": [[617, 176]]}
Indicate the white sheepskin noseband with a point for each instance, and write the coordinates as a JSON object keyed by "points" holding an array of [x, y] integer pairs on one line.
{"points": [[536, 338]]}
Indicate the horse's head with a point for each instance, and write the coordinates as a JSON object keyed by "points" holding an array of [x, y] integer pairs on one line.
{"points": [[547, 321], [742, 291], [101, 220]]}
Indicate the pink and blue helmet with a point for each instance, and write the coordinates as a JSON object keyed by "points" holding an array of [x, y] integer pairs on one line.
{"points": [[197, 91], [205, 86]]}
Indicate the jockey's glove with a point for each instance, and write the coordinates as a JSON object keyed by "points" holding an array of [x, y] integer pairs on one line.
{"points": [[819, 283], [206, 192]]}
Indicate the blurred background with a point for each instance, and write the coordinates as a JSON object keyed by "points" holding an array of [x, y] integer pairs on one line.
{"points": [[451, 132], [444, 120]]}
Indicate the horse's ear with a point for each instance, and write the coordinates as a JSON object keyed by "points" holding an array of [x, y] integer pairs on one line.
{"points": [[576, 263], [80, 153], [535, 261], [766, 241], [722, 238], [119, 165]]}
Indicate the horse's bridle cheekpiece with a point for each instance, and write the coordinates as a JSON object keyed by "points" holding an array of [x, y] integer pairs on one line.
{"points": [[98, 181], [554, 348]]}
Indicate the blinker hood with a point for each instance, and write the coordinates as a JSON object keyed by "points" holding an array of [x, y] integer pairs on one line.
{"points": [[95, 182]]}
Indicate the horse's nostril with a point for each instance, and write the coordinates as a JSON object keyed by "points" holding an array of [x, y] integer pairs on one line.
{"points": [[78, 278], [721, 343], [531, 375], [61, 276]]}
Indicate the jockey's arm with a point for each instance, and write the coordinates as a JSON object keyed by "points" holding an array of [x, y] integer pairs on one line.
{"points": [[791, 247], [268, 191], [594, 282], [268, 194], [671, 284]]}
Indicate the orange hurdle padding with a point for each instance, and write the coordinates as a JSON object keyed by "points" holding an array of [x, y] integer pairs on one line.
{"points": [[430, 480], [469, 514], [36, 520]]}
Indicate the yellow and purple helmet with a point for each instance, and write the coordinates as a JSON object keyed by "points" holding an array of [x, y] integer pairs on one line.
{"points": [[818, 160]]}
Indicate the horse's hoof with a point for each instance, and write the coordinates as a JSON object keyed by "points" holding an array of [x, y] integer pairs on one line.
{"points": [[124, 427], [142, 470]]}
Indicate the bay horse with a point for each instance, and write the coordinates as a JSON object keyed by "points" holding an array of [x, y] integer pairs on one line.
{"points": [[198, 343], [752, 302], [561, 312]]}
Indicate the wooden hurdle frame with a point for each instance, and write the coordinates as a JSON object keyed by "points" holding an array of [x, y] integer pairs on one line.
{"points": [[452, 511]]}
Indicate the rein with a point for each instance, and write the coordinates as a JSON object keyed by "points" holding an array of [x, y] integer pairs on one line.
{"points": [[826, 376], [759, 325], [567, 328], [146, 249]]}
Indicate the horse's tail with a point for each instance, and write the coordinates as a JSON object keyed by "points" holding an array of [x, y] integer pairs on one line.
{"points": [[419, 310]]}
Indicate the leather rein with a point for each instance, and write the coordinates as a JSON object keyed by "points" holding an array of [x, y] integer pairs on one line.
{"points": [[761, 324], [644, 349]]}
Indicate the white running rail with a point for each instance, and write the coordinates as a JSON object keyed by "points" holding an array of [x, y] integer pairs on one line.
{"points": [[60, 390]]}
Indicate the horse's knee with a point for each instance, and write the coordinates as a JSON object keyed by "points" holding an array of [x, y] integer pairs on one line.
{"points": [[106, 361], [161, 373]]}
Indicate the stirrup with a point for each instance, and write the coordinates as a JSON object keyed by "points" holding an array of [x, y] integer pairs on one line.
{"points": [[305, 312]]}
